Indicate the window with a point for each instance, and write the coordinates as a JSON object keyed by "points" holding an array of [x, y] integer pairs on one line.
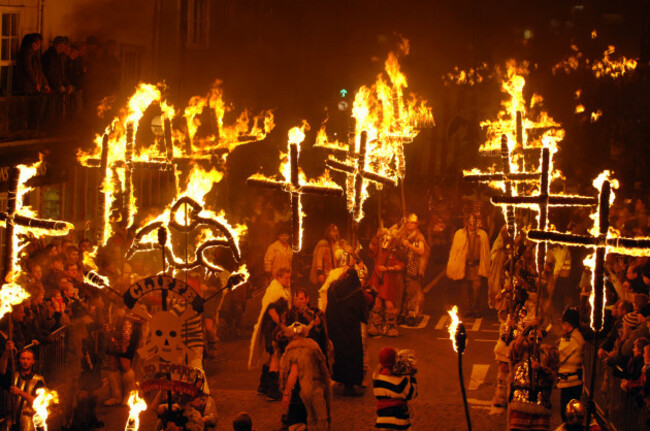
{"points": [[198, 24], [8, 50]]}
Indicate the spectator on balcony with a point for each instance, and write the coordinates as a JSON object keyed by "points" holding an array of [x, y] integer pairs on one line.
{"points": [[54, 66], [76, 67], [30, 78]]}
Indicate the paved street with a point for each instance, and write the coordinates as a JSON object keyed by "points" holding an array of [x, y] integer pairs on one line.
{"points": [[438, 406]]}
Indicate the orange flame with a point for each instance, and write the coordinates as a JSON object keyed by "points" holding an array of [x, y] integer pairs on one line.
{"points": [[44, 398], [136, 406], [453, 326]]}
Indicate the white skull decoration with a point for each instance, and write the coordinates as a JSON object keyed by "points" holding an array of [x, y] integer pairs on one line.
{"points": [[165, 340]]}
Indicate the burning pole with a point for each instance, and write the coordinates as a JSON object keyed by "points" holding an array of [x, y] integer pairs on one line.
{"points": [[295, 186], [127, 197], [103, 197], [458, 338], [44, 398], [136, 406]]}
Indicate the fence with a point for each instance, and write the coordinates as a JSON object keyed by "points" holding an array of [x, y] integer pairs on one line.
{"points": [[27, 116], [50, 363], [620, 410]]}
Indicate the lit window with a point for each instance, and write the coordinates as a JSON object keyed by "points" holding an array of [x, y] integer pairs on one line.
{"points": [[8, 50]]}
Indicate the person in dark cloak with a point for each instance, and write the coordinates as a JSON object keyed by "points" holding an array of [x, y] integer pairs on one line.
{"points": [[347, 308]]}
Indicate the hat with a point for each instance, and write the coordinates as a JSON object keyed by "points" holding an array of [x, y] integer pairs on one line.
{"points": [[572, 317], [60, 39], [387, 357], [412, 218]]}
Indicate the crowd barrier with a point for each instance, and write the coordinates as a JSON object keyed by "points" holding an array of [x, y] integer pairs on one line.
{"points": [[617, 408], [50, 363]]}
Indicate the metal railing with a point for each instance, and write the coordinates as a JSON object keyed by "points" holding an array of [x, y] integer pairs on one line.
{"points": [[28, 116], [619, 409]]}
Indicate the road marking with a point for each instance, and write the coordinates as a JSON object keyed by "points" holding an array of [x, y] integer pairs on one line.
{"points": [[479, 371], [475, 402], [477, 325], [442, 321], [490, 330], [488, 341]]}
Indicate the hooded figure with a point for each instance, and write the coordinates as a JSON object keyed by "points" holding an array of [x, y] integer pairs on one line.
{"points": [[305, 381], [347, 308]]}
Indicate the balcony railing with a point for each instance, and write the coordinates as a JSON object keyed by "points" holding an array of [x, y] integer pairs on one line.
{"points": [[23, 117]]}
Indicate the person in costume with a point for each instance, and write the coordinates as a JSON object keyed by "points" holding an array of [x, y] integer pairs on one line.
{"points": [[123, 340], [386, 281], [324, 255], [394, 384], [417, 256], [307, 392], [22, 385], [570, 347], [303, 313], [279, 254], [275, 302], [469, 263], [533, 372], [347, 308]]}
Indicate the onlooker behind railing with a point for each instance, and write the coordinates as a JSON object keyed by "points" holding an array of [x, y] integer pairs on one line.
{"points": [[54, 65], [30, 78]]}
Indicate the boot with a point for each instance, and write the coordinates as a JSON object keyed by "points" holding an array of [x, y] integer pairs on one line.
{"points": [[115, 387], [273, 392], [128, 385], [376, 322], [264, 380], [391, 325]]}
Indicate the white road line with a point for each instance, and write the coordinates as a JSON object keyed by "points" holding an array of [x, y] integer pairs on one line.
{"points": [[442, 321], [479, 371], [476, 402], [486, 341], [477, 325], [490, 330]]}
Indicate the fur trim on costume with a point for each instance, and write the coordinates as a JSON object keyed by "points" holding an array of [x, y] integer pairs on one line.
{"points": [[274, 292], [314, 378]]}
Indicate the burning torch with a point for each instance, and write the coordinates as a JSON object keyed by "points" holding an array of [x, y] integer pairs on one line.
{"points": [[458, 338]]}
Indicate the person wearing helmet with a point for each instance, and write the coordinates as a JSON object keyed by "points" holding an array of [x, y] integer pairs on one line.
{"points": [[570, 348], [417, 255]]}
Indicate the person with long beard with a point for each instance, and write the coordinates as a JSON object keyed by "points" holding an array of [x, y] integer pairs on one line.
{"points": [[347, 308]]}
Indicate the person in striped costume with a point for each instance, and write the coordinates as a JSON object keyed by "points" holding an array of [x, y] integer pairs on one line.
{"points": [[393, 390]]}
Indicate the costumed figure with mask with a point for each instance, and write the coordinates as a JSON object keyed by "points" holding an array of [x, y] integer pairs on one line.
{"points": [[386, 281], [347, 308], [307, 392], [275, 302]]}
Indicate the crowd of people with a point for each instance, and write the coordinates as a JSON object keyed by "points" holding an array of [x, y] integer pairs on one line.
{"points": [[67, 67]]}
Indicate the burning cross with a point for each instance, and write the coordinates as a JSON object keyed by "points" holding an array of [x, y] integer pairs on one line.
{"points": [[15, 224], [295, 186], [543, 200], [357, 176], [602, 243]]}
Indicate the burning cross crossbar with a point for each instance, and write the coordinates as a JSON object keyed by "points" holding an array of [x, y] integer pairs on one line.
{"points": [[11, 293], [296, 190], [358, 175], [543, 200]]}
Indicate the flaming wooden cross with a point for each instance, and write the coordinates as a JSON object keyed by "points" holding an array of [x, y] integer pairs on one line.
{"points": [[543, 200], [17, 222], [296, 186], [358, 176]]}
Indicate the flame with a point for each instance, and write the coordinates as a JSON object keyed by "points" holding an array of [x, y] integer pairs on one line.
{"points": [[136, 406], [469, 77], [44, 398], [612, 68], [594, 34], [225, 138], [580, 109], [391, 117], [453, 326], [595, 116], [11, 292]]}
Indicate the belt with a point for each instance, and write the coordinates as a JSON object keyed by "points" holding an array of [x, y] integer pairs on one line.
{"points": [[565, 376]]}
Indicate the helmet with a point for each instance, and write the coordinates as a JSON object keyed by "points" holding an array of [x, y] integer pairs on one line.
{"points": [[575, 412]]}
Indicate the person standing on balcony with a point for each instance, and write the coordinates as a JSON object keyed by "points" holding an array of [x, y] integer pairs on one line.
{"points": [[54, 65], [30, 78]]}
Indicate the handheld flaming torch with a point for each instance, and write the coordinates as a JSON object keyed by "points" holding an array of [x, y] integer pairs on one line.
{"points": [[136, 406], [44, 398], [458, 338]]}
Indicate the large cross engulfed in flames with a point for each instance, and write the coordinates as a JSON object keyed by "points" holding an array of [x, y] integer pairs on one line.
{"points": [[18, 220], [295, 185], [357, 175]]}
